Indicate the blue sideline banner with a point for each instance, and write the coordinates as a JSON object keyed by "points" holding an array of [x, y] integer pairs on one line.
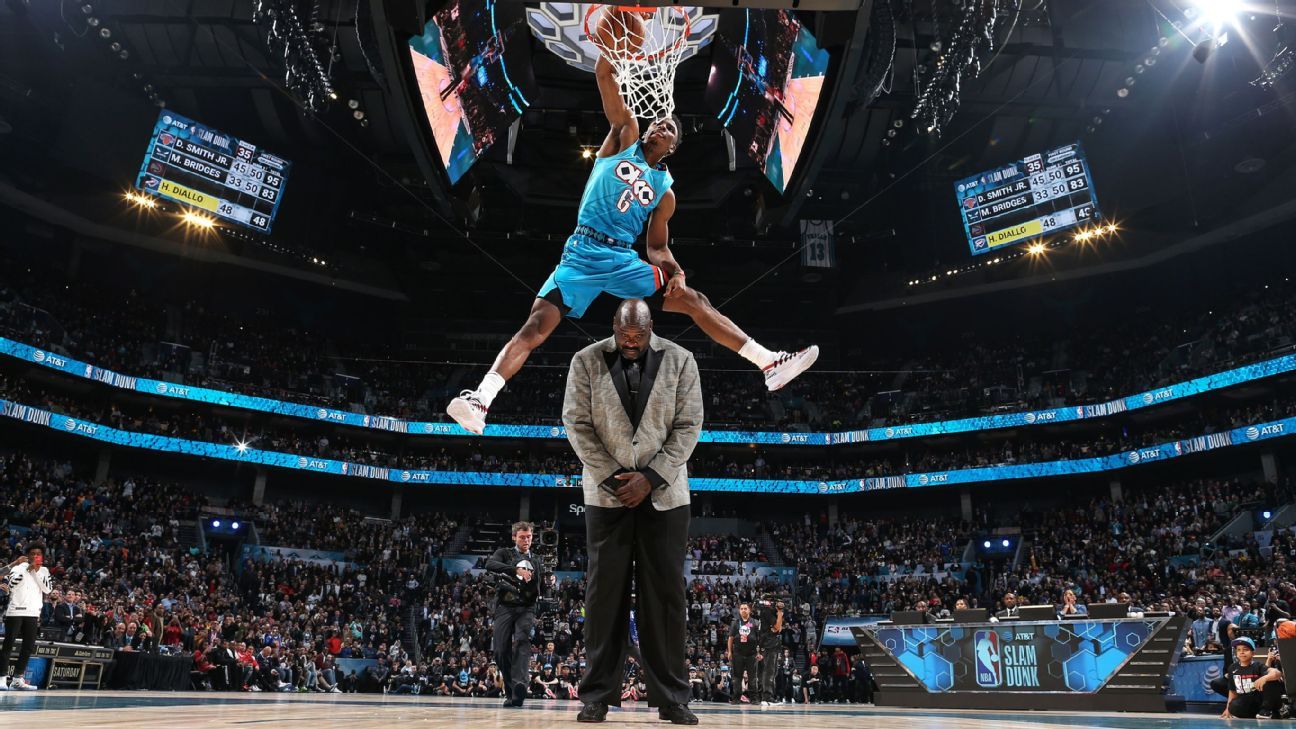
{"points": [[244, 454], [1169, 393]]}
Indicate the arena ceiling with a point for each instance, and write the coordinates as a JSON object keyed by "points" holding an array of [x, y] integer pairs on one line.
{"points": [[1188, 145]]}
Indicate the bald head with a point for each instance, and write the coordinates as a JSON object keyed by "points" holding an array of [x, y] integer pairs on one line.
{"points": [[633, 312], [632, 327]]}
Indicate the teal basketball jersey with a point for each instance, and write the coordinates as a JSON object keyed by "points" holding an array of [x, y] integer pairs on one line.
{"points": [[622, 191]]}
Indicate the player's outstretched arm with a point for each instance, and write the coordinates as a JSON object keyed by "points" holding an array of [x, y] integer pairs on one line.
{"points": [[625, 127], [658, 240]]}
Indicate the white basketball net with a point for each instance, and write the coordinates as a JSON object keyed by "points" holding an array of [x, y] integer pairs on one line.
{"points": [[646, 76]]}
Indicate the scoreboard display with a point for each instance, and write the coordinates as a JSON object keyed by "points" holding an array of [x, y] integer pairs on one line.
{"points": [[1041, 194], [212, 171]]}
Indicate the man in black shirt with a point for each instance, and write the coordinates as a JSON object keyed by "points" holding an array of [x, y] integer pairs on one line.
{"points": [[515, 611], [1254, 688], [743, 635]]}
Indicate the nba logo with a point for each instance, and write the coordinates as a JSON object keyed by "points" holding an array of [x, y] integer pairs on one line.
{"points": [[989, 670]]}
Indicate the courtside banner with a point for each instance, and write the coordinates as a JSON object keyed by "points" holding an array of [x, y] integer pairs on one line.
{"points": [[246, 454], [1046, 657], [837, 629], [1032, 418]]}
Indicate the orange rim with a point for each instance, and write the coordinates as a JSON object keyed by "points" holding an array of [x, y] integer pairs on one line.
{"points": [[646, 12]]}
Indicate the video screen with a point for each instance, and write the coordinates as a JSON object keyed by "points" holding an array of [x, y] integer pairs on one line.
{"points": [[473, 71], [766, 79]]}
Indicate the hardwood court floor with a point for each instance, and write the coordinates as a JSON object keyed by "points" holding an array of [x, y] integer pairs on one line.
{"points": [[191, 710]]}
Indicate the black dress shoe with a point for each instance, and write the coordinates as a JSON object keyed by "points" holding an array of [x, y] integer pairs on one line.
{"points": [[592, 712], [677, 714], [519, 694], [508, 703]]}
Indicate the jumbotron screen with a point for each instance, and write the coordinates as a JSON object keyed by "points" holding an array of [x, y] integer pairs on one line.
{"points": [[1035, 196], [210, 170], [474, 75], [766, 79]]}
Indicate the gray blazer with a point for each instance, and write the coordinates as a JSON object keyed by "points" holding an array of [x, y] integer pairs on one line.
{"points": [[605, 436]]}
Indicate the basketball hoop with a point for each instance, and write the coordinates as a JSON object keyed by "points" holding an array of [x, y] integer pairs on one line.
{"points": [[646, 77]]}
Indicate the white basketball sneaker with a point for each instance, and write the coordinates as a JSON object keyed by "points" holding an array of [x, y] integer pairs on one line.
{"points": [[787, 365], [468, 411], [18, 683]]}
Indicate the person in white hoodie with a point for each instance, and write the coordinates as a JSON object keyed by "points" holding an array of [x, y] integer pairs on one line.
{"points": [[27, 584]]}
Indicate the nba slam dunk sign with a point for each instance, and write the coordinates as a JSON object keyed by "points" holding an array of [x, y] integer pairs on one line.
{"points": [[1074, 656]]}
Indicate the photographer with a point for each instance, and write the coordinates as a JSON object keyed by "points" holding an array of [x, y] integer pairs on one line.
{"points": [[770, 613], [517, 590]]}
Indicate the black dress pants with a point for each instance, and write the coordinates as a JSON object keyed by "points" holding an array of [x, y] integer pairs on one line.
{"points": [[649, 545]]}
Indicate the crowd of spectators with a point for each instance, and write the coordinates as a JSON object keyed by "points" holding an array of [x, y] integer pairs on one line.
{"points": [[127, 581], [263, 354], [286, 624]]}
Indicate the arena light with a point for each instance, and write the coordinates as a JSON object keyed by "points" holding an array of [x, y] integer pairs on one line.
{"points": [[1215, 14], [143, 201], [234, 526], [216, 523], [986, 544], [1267, 514], [241, 447], [198, 221], [1005, 542], [1036, 249]]}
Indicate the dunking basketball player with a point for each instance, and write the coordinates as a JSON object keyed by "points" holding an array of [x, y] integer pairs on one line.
{"points": [[628, 187]]}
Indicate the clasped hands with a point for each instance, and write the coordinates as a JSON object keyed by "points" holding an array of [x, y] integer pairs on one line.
{"points": [[632, 489]]}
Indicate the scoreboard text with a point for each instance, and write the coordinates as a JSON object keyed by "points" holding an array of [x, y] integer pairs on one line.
{"points": [[1040, 194], [213, 171]]}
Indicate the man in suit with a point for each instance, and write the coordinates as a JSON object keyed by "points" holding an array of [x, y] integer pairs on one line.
{"points": [[68, 615], [1010, 607], [633, 412]]}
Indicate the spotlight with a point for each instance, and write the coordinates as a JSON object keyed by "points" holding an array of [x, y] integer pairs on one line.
{"points": [[124, 54], [215, 523], [1215, 14], [105, 33], [1122, 92], [115, 47], [1005, 542], [986, 544], [358, 114], [234, 526], [586, 153], [92, 21], [1267, 514], [1036, 249], [87, 8], [332, 96], [241, 447], [1111, 228], [353, 104]]}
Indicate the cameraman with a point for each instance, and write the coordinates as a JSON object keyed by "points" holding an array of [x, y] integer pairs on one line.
{"points": [[515, 600], [770, 613]]}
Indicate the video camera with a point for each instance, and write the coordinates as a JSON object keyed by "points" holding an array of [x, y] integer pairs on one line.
{"points": [[510, 588]]}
